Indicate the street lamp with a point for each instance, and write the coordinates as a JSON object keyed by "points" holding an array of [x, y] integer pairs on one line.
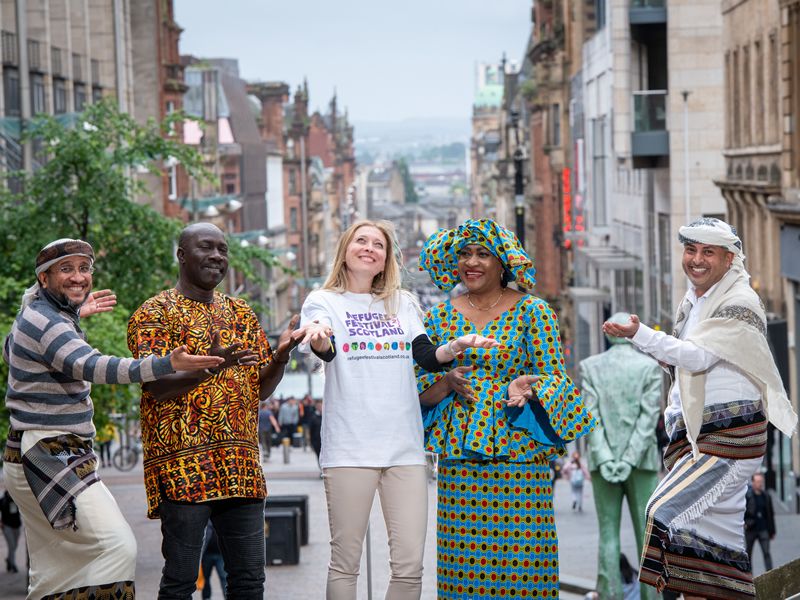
{"points": [[519, 182], [687, 200]]}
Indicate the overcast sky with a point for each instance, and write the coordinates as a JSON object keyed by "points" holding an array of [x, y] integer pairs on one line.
{"points": [[388, 60]]}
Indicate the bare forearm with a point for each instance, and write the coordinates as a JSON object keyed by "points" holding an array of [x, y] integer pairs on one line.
{"points": [[269, 378], [177, 384], [435, 394]]}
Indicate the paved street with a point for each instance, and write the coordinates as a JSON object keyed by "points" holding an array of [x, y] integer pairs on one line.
{"points": [[577, 536]]}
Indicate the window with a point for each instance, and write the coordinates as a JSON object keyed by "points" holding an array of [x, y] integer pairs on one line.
{"points": [[773, 75], [746, 99], [38, 95], [59, 96], [11, 89], [292, 182], [759, 91], [293, 219], [230, 188], [737, 101], [599, 160], [555, 128], [728, 102], [600, 13], [172, 175], [665, 266], [80, 97]]}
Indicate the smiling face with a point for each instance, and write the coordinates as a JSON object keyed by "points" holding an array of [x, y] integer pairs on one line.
{"points": [[365, 255], [203, 257], [479, 269], [705, 265], [65, 281]]}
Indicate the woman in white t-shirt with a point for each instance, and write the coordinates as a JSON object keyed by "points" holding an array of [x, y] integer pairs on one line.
{"points": [[369, 333]]}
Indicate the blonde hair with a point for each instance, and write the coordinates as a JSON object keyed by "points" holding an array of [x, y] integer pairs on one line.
{"points": [[386, 284]]}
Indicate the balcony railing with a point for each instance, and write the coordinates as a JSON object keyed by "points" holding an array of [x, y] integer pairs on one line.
{"points": [[650, 110], [650, 136], [647, 12]]}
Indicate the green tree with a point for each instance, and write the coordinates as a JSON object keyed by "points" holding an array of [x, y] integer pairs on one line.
{"points": [[85, 189], [408, 181]]}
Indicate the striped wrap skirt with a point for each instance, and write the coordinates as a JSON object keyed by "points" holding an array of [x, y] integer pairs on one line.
{"points": [[694, 533]]}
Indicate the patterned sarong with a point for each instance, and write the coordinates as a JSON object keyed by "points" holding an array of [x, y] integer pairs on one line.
{"points": [[694, 531], [57, 470], [496, 534]]}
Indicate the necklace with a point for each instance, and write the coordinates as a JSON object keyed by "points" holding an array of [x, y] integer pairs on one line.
{"points": [[469, 299]]}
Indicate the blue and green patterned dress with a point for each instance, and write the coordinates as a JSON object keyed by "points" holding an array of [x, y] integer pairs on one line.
{"points": [[496, 535]]}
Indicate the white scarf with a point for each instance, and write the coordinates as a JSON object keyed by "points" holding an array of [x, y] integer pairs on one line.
{"points": [[724, 331]]}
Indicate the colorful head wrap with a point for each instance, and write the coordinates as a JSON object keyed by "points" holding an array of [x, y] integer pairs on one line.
{"points": [[439, 256], [714, 232]]}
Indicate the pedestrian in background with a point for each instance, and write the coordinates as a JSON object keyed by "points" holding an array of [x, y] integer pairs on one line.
{"points": [[200, 431], [12, 527], [315, 427], [212, 561], [496, 419], [104, 437], [759, 519], [368, 332], [267, 426], [289, 417], [576, 473]]}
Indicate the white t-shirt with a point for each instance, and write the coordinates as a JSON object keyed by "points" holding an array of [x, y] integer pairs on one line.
{"points": [[371, 415]]}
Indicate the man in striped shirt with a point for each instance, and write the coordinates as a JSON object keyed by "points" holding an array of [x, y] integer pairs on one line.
{"points": [[77, 536]]}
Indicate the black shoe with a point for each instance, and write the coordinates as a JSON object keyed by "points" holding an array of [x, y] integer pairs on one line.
{"points": [[574, 504]]}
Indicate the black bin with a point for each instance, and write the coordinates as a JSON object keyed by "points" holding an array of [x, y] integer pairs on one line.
{"points": [[297, 440], [282, 533], [300, 502]]}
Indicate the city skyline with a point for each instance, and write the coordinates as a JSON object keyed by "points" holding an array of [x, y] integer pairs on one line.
{"points": [[392, 62]]}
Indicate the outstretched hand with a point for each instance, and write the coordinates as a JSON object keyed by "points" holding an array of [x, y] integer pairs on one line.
{"points": [[457, 381], [520, 390], [287, 341], [233, 355], [181, 360], [473, 340], [315, 333], [626, 330], [98, 302]]}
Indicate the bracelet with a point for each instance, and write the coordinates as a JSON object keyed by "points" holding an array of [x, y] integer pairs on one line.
{"points": [[449, 348]]}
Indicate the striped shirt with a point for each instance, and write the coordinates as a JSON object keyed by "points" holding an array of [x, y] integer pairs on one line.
{"points": [[51, 367]]}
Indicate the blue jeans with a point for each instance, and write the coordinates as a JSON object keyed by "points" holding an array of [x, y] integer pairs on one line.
{"points": [[209, 563], [239, 523]]}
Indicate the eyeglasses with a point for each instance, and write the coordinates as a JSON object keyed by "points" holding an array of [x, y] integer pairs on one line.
{"points": [[70, 270]]}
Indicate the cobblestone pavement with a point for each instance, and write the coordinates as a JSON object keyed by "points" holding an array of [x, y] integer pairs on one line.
{"points": [[577, 534]]}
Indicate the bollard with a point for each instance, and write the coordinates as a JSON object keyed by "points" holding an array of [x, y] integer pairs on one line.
{"points": [[286, 442]]}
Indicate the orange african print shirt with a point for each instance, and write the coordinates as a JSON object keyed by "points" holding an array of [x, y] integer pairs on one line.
{"points": [[202, 445]]}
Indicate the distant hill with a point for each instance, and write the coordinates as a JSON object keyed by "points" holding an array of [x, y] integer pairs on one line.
{"points": [[375, 139]]}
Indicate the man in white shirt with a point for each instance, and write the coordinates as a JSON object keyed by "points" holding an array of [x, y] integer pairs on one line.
{"points": [[725, 388]]}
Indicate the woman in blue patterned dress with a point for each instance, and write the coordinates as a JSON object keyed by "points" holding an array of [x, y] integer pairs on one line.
{"points": [[496, 419]]}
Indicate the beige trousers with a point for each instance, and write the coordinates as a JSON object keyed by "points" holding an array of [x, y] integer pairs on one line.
{"points": [[350, 492], [101, 551]]}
